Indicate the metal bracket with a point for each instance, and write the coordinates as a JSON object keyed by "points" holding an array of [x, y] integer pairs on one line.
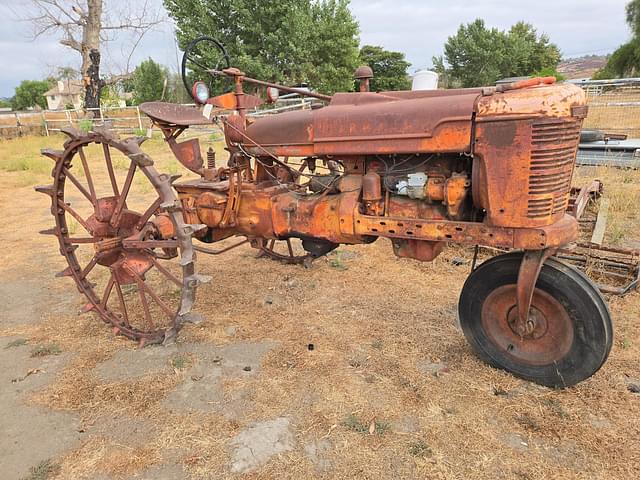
{"points": [[530, 268]]}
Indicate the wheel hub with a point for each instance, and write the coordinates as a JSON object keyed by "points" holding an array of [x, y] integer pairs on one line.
{"points": [[534, 328], [547, 335]]}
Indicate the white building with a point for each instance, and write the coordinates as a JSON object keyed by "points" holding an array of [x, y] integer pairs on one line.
{"points": [[65, 94]]}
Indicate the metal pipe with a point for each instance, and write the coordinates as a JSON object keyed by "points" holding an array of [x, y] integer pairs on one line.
{"points": [[209, 251], [299, 91]]}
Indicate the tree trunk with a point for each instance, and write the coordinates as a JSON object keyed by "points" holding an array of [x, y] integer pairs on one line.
{"points": [[91, 55], [93, 84]]}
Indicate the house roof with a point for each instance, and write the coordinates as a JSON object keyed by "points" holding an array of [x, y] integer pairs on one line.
{"points": [[69, 87]]}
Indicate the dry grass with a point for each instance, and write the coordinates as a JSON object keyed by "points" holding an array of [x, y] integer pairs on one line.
{"points": [[622, 188], [606, 114], [100, 455], [372, 320]]}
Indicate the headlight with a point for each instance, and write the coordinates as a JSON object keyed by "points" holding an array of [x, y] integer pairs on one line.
{"points": [[200, 92]]}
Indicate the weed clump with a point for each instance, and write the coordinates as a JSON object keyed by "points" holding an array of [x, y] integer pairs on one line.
{"points": [[46, 350]]}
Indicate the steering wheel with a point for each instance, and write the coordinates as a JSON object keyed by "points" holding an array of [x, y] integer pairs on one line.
{"points": [[198, 53]]}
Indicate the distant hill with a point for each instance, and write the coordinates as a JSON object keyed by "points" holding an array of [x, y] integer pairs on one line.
{"points": [[582, 67]]}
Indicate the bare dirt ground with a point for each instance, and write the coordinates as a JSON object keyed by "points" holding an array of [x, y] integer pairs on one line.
{"points": [[354, 368]]}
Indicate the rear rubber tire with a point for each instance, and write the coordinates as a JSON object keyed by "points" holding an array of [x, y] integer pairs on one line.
{"points": [[590, 328]]}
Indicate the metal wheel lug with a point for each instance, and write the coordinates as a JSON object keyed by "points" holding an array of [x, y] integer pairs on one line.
{"points": [[46, 189], [64, 273], [71, 132], [87, 308], [55, 155]]}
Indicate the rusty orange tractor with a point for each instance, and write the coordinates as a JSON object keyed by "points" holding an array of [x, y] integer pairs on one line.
{"points": [[483, 166]]}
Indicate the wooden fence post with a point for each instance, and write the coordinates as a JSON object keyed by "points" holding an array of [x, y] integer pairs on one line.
{"points": [[44, 123], [18, 125]]}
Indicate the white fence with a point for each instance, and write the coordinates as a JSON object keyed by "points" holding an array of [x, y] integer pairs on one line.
{"points": [[122, 119]]}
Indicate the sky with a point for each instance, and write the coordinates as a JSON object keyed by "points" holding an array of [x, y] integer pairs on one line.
{"points": [[418, 28]]}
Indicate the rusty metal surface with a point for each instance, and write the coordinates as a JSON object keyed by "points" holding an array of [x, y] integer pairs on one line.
{"points": [[580, 197], [548, 101], [469, 233], [424, 169], [371, 123], [522, 169], [524, 323], [388, 124], [549, 334], [485, 167], [284, 129], [124, 241], [174, 114], [615, 271]]}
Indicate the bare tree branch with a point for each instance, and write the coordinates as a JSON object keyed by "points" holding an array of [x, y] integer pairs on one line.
{"points": [[85, 26]]}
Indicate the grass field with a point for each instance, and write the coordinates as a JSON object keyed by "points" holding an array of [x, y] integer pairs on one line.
{"points": [[389, 390]]}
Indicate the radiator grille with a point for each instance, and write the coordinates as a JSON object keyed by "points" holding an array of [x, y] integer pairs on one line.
{"points": [[553, 152]]}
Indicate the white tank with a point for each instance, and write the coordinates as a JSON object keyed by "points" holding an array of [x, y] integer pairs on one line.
{"points": [[425, 80]]}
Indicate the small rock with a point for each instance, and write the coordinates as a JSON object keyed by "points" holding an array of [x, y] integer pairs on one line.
{"points": [[633, 384], [457, 261], [500, 392], [231, 330]]}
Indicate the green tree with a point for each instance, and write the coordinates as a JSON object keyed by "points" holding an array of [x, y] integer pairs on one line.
{"points": [[148, 81], [529, 53], [389, 68], [288, 41], [633, 16], [5, 102], [30, 93], [478, 55], [625, 61], [549, 72]]}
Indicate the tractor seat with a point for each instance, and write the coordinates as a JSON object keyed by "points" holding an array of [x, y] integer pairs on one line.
{"points": [[165, 113]]}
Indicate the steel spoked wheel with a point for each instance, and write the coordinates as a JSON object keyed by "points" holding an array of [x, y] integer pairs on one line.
{"points": [[121, 230], [570, 332], [287, 251]]}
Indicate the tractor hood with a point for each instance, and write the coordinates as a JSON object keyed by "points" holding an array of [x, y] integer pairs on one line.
{"points": [[405, 122], [361, 123]]}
